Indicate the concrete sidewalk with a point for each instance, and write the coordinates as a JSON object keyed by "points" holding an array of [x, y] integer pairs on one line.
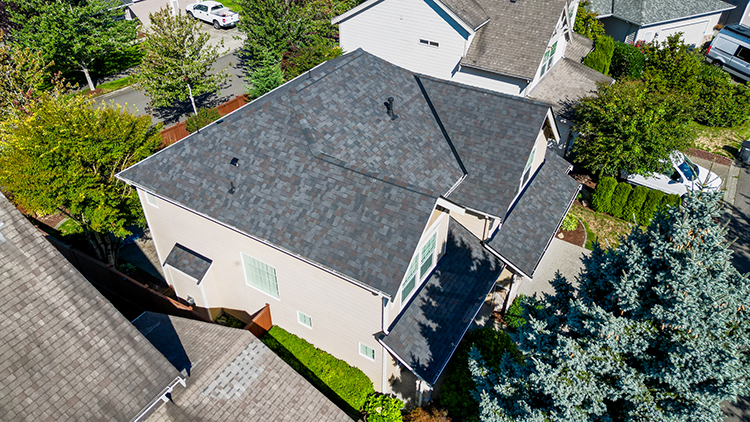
{"points": [[561, 256]]}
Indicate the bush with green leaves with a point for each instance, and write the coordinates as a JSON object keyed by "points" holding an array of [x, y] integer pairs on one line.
{"points": [[672, 67], [382, 408], [266, 76], [569, 223], [650, 206], [619, 199], [601, 200], [601, 58], [298, 61], [670, 200], [427, 414], [586, 22], [720, 103], [632, 208], [514, 315], [627, 61], [455, 395], [204, 117]]}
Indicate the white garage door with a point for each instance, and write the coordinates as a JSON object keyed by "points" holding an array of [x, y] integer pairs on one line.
{"points": [[692, 33]]}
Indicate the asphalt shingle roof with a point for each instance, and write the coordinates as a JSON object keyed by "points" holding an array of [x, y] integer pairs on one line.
{"points": [[533, 220], [427, 333], [66, 353], [644, 12], [233, 376], [324, 173], [516, 37], [188, 261], [470, 11]]}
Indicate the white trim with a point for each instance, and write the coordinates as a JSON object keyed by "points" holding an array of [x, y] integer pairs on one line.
{"points": [[458, 20], [398, 358], [508, 263], [374, 358], [148, 197], [153, 238], [299, 320], [432, 231], [351, 12], [197, 282], [161, 398], [451, 206], [276, 275], [384, 378]]}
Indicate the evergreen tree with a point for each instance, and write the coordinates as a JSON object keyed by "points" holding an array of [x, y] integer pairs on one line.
{"points": [[657, 330]]}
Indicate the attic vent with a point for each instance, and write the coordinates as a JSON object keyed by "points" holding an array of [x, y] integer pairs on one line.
{"points": [[235, 162], [389, 108]]}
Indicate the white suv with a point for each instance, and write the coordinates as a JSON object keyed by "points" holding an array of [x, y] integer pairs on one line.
{"points": [[683, 177]]}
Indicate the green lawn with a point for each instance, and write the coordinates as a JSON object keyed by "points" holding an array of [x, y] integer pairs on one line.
{"points": [[723, 141], [600, 227], [233, 5], [113, 85], [69, 227]]}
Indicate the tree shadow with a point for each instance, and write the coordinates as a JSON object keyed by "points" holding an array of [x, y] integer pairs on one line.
{"points": [[738, 225], [181, 110], [159, 331], [738, 411]]}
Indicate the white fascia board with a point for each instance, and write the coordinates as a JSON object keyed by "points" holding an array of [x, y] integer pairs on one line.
{"points": [[450, 206], [351, 12], [460, 21], [687, 17], [553, 123], [506, 261]]}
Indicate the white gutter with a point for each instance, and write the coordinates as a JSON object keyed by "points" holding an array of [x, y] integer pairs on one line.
{"points": [[644, 25], [161, 398]]}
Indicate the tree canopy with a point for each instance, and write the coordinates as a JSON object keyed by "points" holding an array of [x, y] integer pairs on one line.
{"points": [[178, 61], [655, 330], [22, 72], [72, 34], [64, 157]]}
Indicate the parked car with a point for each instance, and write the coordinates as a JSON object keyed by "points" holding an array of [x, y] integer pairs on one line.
{"points": [[730, 49], [214, 13], [684, 176]]}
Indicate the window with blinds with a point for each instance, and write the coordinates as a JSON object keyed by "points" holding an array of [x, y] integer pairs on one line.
{"points": [[261, 276]]}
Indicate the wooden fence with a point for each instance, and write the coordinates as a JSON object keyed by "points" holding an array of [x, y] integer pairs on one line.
{"points": [[261, 322], [178, 131]]}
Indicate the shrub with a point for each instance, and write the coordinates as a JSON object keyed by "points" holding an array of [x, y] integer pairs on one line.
{"points": [[619, 199], [514, 316], [570, 222], [601, 200], [382, 408], [266, 76], [586, 22], [720, 103], [349, 385], [300, 60], [670, 201], [672, 67], [650, 205], [627, 61], [456, 395], [632, 208], [601, 57], [428, 414], [204, 117]]}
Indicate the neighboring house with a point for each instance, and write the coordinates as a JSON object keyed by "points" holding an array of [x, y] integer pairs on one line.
{"points": [[68, 355], [655, 20], [740, 14], [372, 208], [502, 45]]}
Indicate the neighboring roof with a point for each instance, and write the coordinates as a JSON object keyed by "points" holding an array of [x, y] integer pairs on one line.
{"points": [[67, 354], [493, 134], [427, 333], [325, 174], [565, 85], [233, 376], [536, 216], [469, 11], [644, 12], [516, 37], [188, 261]]}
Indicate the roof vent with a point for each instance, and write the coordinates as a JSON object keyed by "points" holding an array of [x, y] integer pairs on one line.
{"points": [[234, 162], [389, 108], [232, 189]]}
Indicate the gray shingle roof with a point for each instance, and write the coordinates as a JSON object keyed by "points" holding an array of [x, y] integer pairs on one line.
{"points": [[514, 41], [188, 261], [470, 11], [233, 376], [533, 220], [427, 333], [325, 174], [644, 12], [66, 353]]}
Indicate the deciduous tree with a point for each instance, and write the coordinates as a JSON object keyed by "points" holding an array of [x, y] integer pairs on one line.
{"points": [[22, 71], [64, 159], [656, 330]]}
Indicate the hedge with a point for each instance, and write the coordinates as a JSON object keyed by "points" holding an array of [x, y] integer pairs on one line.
{"points": [[601, 58], [619, 198], [627, 61], [382, 408], [633, 206], [342, 383], [602, 198], [670, 201], [653, 199]]}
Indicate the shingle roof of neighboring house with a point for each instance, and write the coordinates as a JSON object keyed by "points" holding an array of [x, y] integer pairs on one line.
{"points": [[233, 376], [470, 11], [429, 330], [325, 174], [522, 240], [66, 354], [188, 261], [644, 12], [516, 37]]}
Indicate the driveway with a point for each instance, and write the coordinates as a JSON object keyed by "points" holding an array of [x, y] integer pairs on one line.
{"points": [[561, 256]]}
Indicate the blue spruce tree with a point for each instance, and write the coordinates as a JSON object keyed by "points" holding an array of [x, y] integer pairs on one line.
{"points": [[656, 330]]}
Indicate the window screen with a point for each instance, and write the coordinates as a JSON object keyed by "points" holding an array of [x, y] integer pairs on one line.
{"points": [[261, 276]]}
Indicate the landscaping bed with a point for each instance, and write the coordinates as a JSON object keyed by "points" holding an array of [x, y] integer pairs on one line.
{"points": [[600, 227]]}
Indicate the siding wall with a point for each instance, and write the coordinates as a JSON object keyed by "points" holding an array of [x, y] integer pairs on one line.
{"points": [[343, 314], [491, 81], [695, 30]]}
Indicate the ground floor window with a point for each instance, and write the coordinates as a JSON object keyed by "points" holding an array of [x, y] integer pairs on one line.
{"points": [[367, 351]]}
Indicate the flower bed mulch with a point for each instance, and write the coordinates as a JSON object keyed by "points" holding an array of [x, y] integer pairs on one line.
{"points": [[709, 156], [576, 237]]}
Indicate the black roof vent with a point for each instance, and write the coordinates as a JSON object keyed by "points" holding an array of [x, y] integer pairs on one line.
{"points": [[235, 162], [389, 108]]}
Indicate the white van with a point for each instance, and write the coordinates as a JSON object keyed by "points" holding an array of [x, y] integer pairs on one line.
{"points": [[730, 49], [683, 177]]}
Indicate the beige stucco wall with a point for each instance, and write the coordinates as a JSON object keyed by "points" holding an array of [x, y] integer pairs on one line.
{"points": [[343, 313]]}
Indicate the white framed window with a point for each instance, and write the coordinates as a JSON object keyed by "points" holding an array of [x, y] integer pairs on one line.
{"points": [[428, 255], [367, 351], [527, 168], [410, 281], [429, 43], [420, 266], [260, 276], [304, 319], [151, 199]]}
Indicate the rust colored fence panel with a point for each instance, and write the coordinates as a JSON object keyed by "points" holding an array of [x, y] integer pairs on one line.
{"points": [[173, 134], [232, 104], [261, 322]]}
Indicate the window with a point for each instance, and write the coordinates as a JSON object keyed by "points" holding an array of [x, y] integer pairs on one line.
{"points": [[743, 53], [260, 276], [151, 199], [549, 56], [304, 319], [411, 280], [428, 255], [367, 351], [527, 168], [429, 43]]}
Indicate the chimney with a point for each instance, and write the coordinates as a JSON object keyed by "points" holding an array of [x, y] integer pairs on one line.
{"points": [[389, 108]]}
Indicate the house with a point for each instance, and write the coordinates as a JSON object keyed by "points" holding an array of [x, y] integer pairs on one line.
{"points": [[373, 208], [68, 355], [740, 14], [655, 20], [501, 45]]}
